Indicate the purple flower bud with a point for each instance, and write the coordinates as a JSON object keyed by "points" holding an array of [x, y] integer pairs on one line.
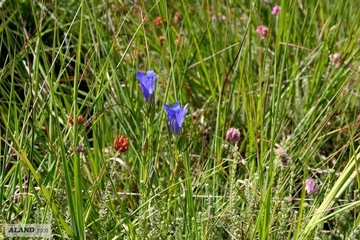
{"points": [[276, 10], [147, 84], [233, 135], [310, 186], [176, 116]]}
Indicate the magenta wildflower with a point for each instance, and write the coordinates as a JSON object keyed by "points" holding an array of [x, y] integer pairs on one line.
{"points": [[276, 10], [262, 31], [335, 58], [233, 135], [310, 186]]}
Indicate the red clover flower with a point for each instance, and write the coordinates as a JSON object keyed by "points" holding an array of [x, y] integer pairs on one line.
{"points": [[276, 10], [233, 135], [121, 143], [310, 186], [262, 31]]}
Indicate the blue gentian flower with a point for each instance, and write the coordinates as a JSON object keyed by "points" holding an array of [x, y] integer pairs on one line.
{"points": [[176, 116], [147, 84]]}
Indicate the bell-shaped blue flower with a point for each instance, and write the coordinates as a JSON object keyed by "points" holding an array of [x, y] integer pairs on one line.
{"points": [[147, 84], [176, 116]]}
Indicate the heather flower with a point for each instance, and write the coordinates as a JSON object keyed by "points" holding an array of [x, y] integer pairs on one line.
{"points": [[276, 10], [80, 119], [282, 154], [147, 83], [177, 16], [233, 135], [262, 31], [71, 120], [335, 58], [158, 21], [176, 116], [177, 42], [310, 186], [161, 38]]}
